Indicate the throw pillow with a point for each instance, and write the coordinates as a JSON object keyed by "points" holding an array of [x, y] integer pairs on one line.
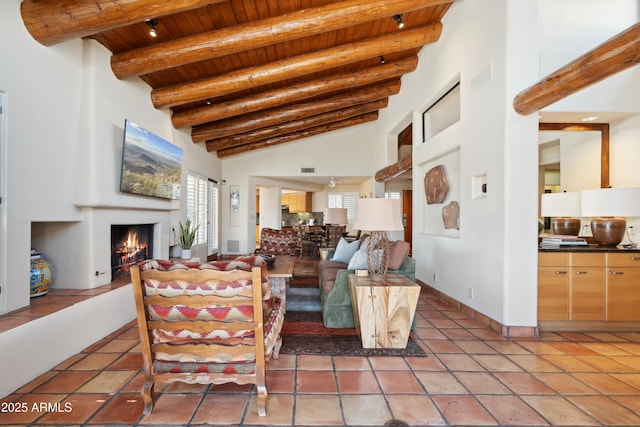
{"points": [[345, 250], [398, 252], [358, 261]]}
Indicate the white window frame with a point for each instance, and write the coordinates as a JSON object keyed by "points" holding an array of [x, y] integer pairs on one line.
{"points": [[197, 205], [345, 199]]}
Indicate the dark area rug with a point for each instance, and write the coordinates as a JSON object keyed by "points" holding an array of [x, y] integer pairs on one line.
{"points": [[304, 333]]}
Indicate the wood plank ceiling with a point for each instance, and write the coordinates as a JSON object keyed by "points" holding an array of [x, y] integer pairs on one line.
{"points": [[249, 74]]}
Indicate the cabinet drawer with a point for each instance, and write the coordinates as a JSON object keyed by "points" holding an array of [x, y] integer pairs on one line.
{"points": [[550, 259], [588, 259], [622, 259]]}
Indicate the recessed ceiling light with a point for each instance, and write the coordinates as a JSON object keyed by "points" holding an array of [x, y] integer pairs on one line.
{"points": [[590, 118]]}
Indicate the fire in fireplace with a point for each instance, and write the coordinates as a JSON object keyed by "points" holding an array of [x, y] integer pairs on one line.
{"points": [[129, 244]]}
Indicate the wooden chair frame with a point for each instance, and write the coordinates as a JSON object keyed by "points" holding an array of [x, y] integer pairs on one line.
{"points": [[150, 349]]}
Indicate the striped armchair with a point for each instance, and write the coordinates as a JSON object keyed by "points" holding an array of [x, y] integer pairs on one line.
{"points": [[209, 323]]}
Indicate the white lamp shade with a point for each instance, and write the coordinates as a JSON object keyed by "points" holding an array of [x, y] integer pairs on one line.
{"points": [[335, 216], [561, 204], [378, 215], [611, 202]]}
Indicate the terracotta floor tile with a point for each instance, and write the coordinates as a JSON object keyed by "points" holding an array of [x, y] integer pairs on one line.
{"points": [[123, 408], [629, 347], [605, 364], [415, 410], [460, 362], [565, 384], [26, 408], [128, 361], [533, 363], [361, 382], [630, 402], [315, 363], [576, 336], [444, 323], [184, 388], [441, 383], [486, 334], [458, 334], [475, 346], [463, 410], [443, 346], [107, 382], [76, 409], [316, 382], [394, 382], [279, 411], [507, 347], [496, 363], [510, 410], [365, 410], [632, 379], [523, 383], [234, 408], [94, 362], [384, 363], [316, 410], [605, 410], [117, 346], [430, 363], [285, 361], [568, 363], [559, 411], [539, 348], [430, 334], [27, 388], [66, 382], [606, 384], [280, 381], [573, 348], [70, 361], [481, 383], [170, 408], [631, 361], [351, 363]]}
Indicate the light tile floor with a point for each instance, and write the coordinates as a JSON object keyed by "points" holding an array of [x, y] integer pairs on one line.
{"points": [[472, 376]]}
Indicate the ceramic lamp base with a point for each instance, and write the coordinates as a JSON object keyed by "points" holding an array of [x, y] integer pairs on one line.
{"points": [[565, 226], [608, 231]]}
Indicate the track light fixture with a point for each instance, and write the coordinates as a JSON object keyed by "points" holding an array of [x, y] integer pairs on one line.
{"points": [[398, 19], [153, 32], [332, 183], [382, 60]]}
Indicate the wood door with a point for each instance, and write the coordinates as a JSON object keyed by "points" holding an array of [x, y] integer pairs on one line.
{"points": [[407, 215]]}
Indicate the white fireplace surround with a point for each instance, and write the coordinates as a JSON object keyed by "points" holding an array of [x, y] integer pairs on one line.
{"points": [[80, 251]]}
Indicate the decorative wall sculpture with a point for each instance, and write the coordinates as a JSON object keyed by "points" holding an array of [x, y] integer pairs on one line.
{"points": [[451, 215], [436, 185]]}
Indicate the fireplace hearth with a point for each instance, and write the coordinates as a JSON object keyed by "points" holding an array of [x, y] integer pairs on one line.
{"points": [[129, 245]]}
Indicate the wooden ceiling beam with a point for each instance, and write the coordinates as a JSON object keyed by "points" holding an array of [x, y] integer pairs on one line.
{"points": [[55, 21], [295, 125], [298, 66], [394, 170], [353, 121], [294, 93], [614, 55], [253, 35], [292, 112]]}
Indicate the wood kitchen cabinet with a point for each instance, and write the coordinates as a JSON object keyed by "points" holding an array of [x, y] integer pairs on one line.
{"points": [[298, 202], [623, 286], [553, 286], [586, 286], [593, 285]]}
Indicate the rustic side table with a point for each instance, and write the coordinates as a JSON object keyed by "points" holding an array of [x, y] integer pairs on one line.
{"points": [[383, 310]]}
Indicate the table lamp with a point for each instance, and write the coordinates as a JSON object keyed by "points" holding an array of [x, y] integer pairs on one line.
{"points": [[337, 216], [606, 205], [563, 207], [378, 216]]}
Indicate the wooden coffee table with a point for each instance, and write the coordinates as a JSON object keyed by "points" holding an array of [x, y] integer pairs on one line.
{"points": [[383, 310], [279, 276]]}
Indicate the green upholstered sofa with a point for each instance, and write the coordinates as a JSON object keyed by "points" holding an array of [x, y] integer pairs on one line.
{"points": [[334, 290]]}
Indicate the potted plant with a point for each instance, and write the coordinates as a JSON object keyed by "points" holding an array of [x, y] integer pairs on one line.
{"points": [[187, 236]]}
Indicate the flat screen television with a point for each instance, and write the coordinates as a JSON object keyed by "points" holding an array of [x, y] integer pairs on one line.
{"points": [[151, 166]]}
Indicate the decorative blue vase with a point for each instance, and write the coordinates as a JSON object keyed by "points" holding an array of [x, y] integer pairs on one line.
{"points": [[41, 274]]}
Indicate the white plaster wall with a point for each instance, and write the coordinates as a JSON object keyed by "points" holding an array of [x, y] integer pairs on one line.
{"points": [[488, 137], [65, 114]]}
